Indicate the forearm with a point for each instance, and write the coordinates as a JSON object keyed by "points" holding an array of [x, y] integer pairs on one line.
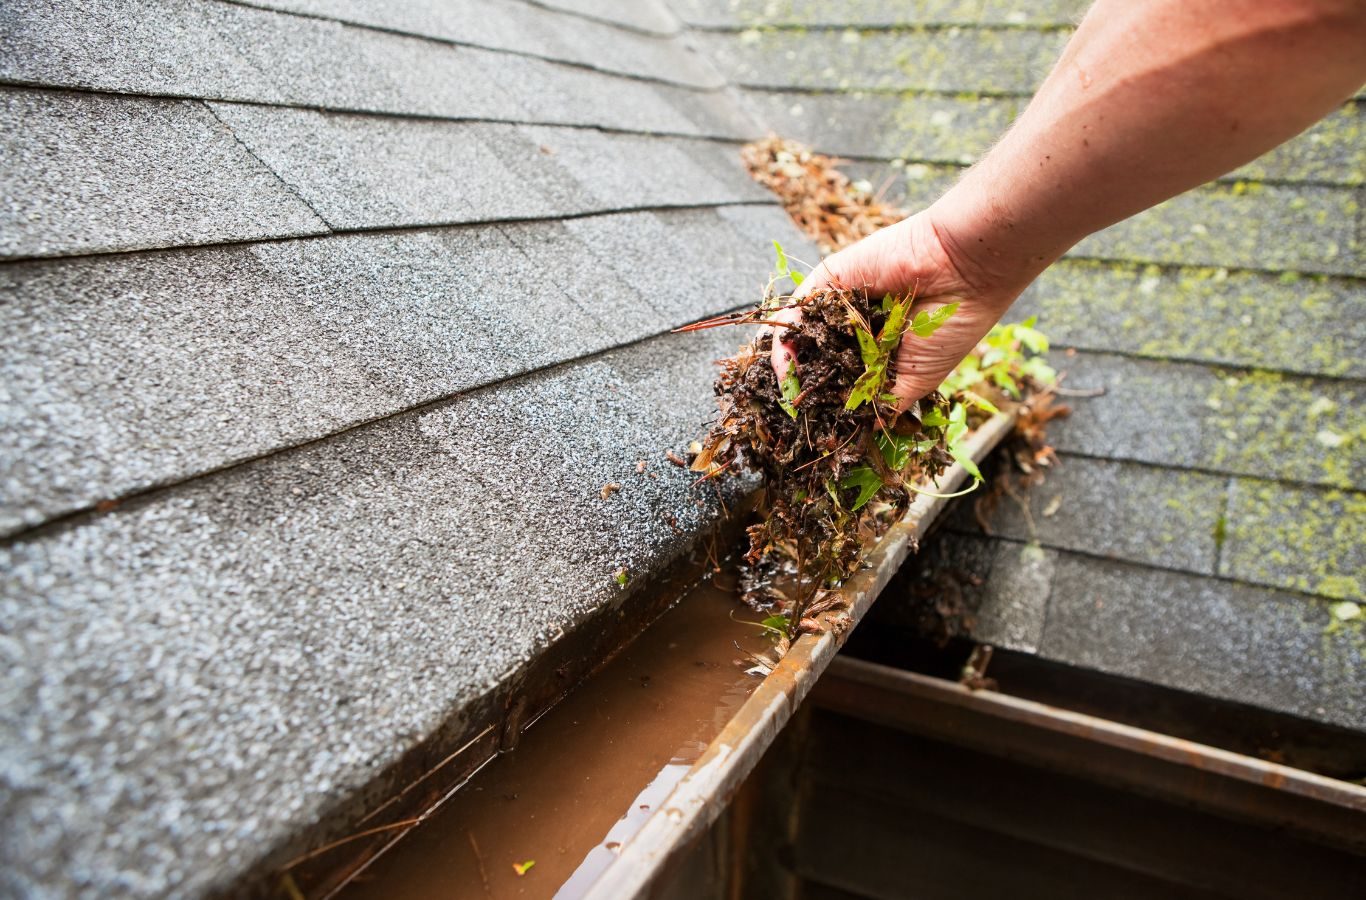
{"points": [[1148, 100]]}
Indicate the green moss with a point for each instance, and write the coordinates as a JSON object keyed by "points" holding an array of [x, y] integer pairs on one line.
{"points": [[937, 129], [1205, 313], [1272, 227], [1305, 539], [1263, 418]]}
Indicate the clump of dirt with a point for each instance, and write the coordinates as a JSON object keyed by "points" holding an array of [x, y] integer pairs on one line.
{"points": [[837, 462], [821, 199]]}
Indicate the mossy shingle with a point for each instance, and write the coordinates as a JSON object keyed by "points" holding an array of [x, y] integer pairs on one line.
{"points": [[909, 126], [1119, 510], [877, 13], [1286, 322], [1301, 228], [1007, 61], [1241, 422], [1268, 648], [1306, 539]]}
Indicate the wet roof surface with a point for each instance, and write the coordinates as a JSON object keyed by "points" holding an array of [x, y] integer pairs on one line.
{"points": [[325, 323]]}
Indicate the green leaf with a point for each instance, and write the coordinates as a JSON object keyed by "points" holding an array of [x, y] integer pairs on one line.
{"points": [[974, 399], [1034, 340], [865, 480], [894, 327], [867, 347], [779, 624], [791, 388], [958, 425], [887, 301], [926, 324], [620, 576], [1039, 370], [934, 419], [783, 267], [993, 356], [1006, 383], [965, 460], [896, 450], [867, 386]]}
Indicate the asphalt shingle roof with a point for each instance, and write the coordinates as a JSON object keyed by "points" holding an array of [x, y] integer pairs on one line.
{"points": [[323, 330], [298, 295]]}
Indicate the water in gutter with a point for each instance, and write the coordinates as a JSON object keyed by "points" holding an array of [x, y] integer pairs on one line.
{"points": [[590, 772], [616, 779]]}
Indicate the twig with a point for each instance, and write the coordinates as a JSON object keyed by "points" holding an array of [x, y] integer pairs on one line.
{"points": [[406, 823], [479, 858]]}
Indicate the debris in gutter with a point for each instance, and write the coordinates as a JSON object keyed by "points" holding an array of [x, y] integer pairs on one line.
{"points": [[609, 489]]}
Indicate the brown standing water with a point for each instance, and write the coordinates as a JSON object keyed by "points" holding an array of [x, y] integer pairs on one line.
{"points": [[587, 774]]}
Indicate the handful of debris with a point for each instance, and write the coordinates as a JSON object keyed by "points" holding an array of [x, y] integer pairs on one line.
{"points": [[838, 464], [837, 461]]}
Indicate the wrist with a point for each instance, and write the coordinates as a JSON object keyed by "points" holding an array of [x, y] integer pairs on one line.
{"points": [[997, 249]]}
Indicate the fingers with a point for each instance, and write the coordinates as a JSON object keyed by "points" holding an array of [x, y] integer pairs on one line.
{"points": [[782, 354]]}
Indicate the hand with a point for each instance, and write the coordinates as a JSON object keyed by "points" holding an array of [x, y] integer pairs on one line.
{"points": [[912, 256]]}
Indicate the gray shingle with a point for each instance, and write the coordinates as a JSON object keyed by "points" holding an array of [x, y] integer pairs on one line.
{"points": [[1301, 228], [1014, 600], [1332, 151], [645, 15], [130, 372], [915, 127], [958, 129], [212, 670], [523, 28], [1258, 424], [87, 174], [718, 264], [1298, 228], [876, 13], [1283, 322], [1249, 645], [1011, 61], [1304, 539], [912, 186], [1004, 585], [231, 52], [175, 47], [369, 172], [1124, 511]]}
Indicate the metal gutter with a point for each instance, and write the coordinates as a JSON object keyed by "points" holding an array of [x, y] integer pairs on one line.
{"points": [[702, 794], [1326, 810]]}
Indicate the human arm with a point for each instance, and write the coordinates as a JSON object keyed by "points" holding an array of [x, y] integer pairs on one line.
{"points": [[1148, 100]]}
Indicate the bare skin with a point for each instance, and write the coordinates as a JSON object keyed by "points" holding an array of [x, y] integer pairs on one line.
{"points": [[1148, 100]]}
